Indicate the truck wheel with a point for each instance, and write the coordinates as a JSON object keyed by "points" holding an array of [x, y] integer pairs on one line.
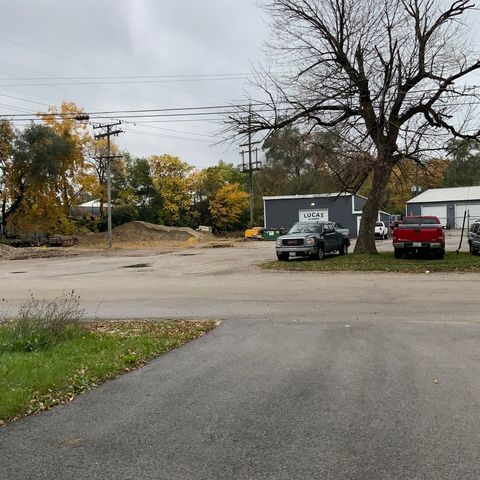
{"points": [[343, 249], [398, 252], [320, 254], [283, 256], [473, 250], [439, 255]]}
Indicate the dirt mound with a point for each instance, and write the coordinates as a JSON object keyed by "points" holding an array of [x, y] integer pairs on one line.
{"points": [[6, 250], [149, 231]]}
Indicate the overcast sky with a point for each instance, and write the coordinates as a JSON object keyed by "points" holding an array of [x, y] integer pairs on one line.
{"points": [[89, 39]]}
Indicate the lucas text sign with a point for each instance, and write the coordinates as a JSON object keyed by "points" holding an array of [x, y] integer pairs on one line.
{"points": [[313, 215]]}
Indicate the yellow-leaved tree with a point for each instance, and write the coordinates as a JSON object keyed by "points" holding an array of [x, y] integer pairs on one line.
{"points": [[174, 183], [406, 175], [34, 183], [77, 175], [226, 206]]}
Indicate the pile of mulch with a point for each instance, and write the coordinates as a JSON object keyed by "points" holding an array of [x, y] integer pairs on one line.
{"points": [[145, 235], [148, 231]]}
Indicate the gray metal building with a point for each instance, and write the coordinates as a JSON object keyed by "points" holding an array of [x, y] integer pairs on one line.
{"points": [[344, 208], [448, 204]]}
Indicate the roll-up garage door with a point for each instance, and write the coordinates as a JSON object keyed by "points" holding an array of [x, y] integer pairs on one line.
{"points": [[439, 211], [473, 210]]}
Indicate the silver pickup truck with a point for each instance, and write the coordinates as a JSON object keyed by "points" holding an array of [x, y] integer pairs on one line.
{"points": [[474, 238], [311, 239]]}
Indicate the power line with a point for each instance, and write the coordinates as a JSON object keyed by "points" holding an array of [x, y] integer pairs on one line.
{"points": [[172, 130], [24, 100], [159, 115], [54, 84], [24, 45], [91, 66], [173, 137], [147, 110], [80, 92], [133, 77]]}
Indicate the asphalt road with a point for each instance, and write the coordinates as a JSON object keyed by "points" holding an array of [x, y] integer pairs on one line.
{"points": [[309, 376]]}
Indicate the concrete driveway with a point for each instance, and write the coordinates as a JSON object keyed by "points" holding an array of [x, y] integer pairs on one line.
{"points": [[310, 375]]}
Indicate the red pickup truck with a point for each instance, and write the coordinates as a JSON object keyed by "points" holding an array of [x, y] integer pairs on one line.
{"points": [[419, 234]]}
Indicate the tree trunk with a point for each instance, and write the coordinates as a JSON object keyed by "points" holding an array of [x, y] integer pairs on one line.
{"points": [[65, 199], [14, 206], [3, 229], [366, 236]]}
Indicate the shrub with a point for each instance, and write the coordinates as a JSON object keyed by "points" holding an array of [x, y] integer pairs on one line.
{"points": [[41, 324]]}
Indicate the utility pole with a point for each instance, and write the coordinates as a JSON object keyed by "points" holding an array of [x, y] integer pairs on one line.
{"points": [[251, 166], [107, 133]]}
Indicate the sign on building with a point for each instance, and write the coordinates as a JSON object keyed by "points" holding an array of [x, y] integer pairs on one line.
{"points": [[313, 215]]}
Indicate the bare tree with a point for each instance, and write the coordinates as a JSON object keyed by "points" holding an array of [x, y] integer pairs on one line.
{"points": [[387, 76]]}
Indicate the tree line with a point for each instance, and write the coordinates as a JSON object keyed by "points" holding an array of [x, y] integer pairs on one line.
{"points": [[308, 163], [48, 168]]}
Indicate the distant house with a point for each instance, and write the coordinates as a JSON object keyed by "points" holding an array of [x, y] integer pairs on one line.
{"points": [[89, 208], [448, 204]]}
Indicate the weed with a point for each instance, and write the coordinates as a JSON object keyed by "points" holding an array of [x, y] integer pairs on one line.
{"points": [[41, 324]]}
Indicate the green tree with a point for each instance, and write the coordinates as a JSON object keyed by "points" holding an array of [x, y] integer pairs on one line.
{"points": [[217, 176], [7, 136], [208, 183], [35, 182], [464, 168], [297, 163], [136, 196]]}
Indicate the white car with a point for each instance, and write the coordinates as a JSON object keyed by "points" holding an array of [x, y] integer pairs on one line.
{"points": [[381, 230]]}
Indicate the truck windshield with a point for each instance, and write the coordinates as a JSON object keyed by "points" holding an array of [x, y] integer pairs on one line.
{"points": [[306, 228], [420, 221], [379, 224]]}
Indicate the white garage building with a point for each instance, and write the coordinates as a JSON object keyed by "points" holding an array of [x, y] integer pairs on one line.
{"points": [[448, 204]]}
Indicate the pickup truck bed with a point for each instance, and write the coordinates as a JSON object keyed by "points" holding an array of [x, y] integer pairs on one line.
{"points": [[418, 235]]}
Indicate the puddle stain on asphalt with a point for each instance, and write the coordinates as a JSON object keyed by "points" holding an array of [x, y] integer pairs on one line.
{"points": [[138, 265]]}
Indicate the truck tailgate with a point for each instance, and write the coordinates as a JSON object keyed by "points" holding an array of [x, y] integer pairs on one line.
{"points": [[418, 233]]}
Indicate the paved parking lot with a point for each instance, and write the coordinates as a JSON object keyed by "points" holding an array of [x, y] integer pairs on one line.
{"points": [[223, 283], [368, 376]]}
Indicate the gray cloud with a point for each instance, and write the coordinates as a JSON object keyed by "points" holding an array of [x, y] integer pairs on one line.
{"points": [[133, 37]]}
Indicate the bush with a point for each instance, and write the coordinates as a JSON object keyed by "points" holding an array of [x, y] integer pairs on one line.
{"points": [[41, 324]]}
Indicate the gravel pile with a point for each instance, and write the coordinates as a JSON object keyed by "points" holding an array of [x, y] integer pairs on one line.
{"points": [[6, 250], [143, 231]]}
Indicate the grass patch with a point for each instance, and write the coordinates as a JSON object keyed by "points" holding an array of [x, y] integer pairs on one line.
{"points": [[41, 324], [383, 262], [52, 372]]}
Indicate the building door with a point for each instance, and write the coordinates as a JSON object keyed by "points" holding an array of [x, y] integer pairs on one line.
{"points": [[439, 211], [473, 210]]}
